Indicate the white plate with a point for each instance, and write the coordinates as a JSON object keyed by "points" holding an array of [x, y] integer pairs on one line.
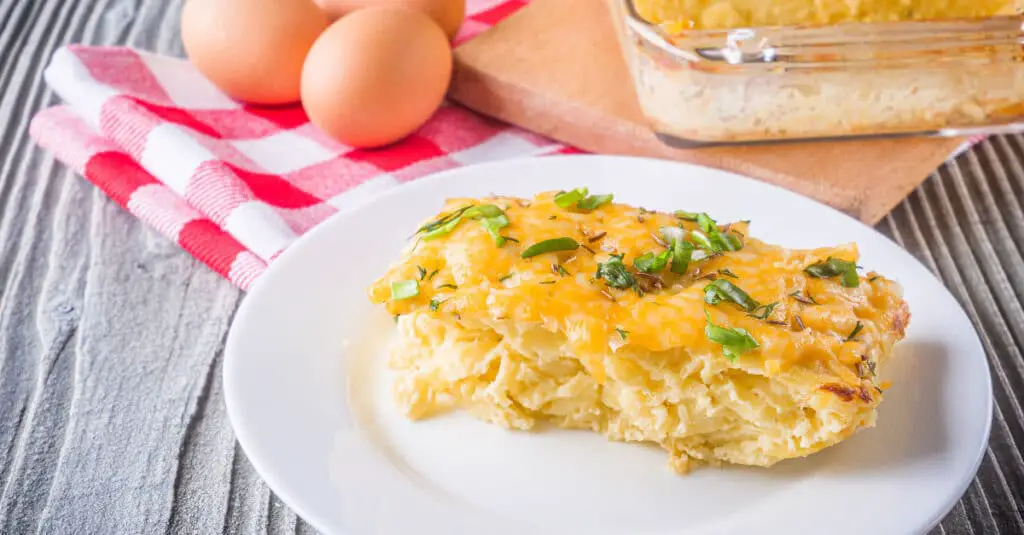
{"points": [[307, 391]]}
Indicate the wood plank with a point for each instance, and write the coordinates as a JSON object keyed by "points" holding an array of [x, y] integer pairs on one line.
{"points": [[555, 68]]}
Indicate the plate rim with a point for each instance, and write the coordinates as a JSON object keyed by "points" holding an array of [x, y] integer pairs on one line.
{"points": [[294, 250]]}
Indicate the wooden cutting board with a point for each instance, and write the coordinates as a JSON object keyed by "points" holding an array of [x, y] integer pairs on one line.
{"points": [[555, 67]]}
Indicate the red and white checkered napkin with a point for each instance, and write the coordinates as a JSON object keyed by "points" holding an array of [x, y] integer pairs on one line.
{"points": [[235, 185]]}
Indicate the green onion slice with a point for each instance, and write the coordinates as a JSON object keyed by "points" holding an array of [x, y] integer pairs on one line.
{"points": [[685, 216], [593, 202], [651, 263], [671, 234], [723, 290], [734, 342], [835, 267], [566, 199], [579, 198], [404, 289], [762, 312], [856, 330], [550, 246], [615, 274], [682, 252]]}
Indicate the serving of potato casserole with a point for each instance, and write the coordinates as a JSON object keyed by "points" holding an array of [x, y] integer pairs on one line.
{"points": [[645, 326]]}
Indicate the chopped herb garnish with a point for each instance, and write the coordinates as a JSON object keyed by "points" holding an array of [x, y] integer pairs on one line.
{"points": [[651, 263], [452, 286], [856, 330], [735, 341], [593, 202], [597, 236], [504, 278], [550, 246], [511, 239], [623, 333], [435, 303], [580, 199], [727, 273], [762, 312], [807, 300], [566, 199], [491, 218], [723, 290], [423, 272], [685, 216], [432, 273], [404, 289], [615, 274], [701, 240], [717, 240], [874, 278], [546, 282], [451, 219], [558, 269], [682, 251], [493, 225], [671, 234], [835, 267]]}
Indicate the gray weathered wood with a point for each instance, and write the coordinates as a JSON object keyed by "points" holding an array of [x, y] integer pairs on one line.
{"points": [[111, 407]]}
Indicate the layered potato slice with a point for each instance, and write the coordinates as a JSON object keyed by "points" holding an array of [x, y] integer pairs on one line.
{"points": [[643, 326]]}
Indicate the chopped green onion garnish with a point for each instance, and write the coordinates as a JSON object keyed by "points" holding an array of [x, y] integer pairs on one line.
{"points": [[682, 252], [735, 341], [404, 289], [685, 216], [833, 267], [504, 278], [723, 290], [873, 279], [561, 270], [651, 263], [710, 238], [579, 198], [493, 224], [451, 286], [550, 246], [566, 199], [671, 234], [855, 332], [436, 302], [546, 282], [727, 273], [432, 273], [763, 311], [423, 272], [701, 240], [623, 333], [491, 217], [593, 202], [615, 274], [443, 220]]}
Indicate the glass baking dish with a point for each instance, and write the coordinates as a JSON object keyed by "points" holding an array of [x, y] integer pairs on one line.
{"points": [[747, 85]]}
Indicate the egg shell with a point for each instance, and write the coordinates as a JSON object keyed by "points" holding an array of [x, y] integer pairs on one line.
{"points": [[376, 75], [449, 14], [253, 50]]}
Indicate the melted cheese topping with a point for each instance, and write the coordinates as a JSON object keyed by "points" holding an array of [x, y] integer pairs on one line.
{"points": [[678, 15], [516, 340]]}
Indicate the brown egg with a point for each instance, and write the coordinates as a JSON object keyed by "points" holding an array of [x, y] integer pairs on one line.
{"points": [[448, 13], [376, 75], [252, 50]]}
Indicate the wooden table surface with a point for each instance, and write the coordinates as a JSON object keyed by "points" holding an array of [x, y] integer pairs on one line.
{"points": [[111, 405]]}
